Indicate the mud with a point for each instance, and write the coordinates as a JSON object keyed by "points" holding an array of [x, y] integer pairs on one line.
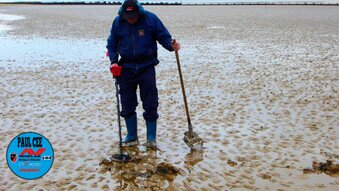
{"points": [[232, 163], [327, 167], [166, 169], [141, 171]]}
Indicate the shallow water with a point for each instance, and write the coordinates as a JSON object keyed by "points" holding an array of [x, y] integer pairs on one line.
{"points": [[8, 17], [22, 52], [4, 28]]}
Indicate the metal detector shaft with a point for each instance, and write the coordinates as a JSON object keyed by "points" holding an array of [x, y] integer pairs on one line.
{"points": [[118, 110], [183, 92], [119, 157]]}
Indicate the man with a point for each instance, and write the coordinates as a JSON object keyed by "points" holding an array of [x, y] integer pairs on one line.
{"points": [[134, 37]]}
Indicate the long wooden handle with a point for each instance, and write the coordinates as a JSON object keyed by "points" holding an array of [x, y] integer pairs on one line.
{"points": [[183, 92]]}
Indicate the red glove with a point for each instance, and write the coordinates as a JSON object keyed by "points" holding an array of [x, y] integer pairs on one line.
{"points": [[115, 70]]}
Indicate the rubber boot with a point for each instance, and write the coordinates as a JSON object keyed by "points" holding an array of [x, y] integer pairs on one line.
{"points": [[151, 133], [132, 136]]}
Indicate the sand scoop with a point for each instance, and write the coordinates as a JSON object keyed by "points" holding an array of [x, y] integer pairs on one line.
{"points": [[191, 138]]}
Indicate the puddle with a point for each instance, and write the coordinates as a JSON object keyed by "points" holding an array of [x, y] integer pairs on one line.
{"points": [[4, 18], [216, 27], [7, 17], [4, 28], [38, 51]]}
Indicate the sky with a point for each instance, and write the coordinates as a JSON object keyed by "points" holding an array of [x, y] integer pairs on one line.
{"points": [[188, 1]]}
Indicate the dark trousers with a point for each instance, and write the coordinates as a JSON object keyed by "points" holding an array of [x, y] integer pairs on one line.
{"points": [[146, 80]]}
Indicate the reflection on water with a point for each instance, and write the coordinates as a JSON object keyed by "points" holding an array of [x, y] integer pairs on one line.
{"points": [[193, 158]]}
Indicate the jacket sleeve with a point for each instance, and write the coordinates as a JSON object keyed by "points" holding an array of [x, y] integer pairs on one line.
{"points": [[162, 34], [113, 42]]}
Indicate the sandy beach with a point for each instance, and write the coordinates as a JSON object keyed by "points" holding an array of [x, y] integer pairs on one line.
{"points": [[262, 86]]}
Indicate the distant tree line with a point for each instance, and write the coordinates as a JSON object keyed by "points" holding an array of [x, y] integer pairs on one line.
{"points": [[89, 3], [167, 3]]}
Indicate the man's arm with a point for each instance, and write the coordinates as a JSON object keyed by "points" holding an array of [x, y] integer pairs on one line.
{"points": [[113, 42], [162, 34]]}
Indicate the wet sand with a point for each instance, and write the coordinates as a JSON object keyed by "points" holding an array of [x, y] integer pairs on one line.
{"points": [[262, 87]]}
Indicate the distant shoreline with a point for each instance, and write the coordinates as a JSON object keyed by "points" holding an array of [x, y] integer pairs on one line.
{"points": [[173, 4]]}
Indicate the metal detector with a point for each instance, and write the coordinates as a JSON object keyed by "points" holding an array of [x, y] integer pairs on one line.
{"points": [[121, 157]]}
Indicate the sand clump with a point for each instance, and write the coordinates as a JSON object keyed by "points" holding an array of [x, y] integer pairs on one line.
{"points": [[142, 171], [327, 167]]}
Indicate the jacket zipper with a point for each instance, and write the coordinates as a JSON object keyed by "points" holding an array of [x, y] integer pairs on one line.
{"points": [[134, 51], [133, 44]]}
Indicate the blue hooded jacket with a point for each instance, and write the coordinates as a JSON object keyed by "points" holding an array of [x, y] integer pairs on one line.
{"points": [[137, 43]]}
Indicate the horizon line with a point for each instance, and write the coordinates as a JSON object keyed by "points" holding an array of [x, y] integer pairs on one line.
{"points": [[173, 3]]}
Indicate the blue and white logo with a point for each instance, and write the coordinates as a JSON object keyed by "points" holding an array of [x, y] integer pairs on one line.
{"points": [[30, 155]]}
